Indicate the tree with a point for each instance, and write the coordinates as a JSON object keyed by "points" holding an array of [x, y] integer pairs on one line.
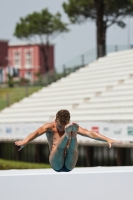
{"points": [[104, 12], [41, 26], [10, 81]]}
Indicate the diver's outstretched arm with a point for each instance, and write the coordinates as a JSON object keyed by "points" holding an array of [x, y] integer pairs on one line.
{"points": [[97, 136], [32, 136]]}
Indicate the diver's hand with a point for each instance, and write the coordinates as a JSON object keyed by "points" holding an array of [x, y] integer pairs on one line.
{"points": [[22, 144], [110, 142]]}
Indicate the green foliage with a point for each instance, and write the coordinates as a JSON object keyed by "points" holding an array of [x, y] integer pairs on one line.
{"points": [[40, 80], [79, 11], [10, 81], [40, 24], [114, 11], [104, 12], [23, 81], [9, 164], [48, 78]]}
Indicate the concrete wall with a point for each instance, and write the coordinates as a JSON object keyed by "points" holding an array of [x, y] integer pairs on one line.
{"points": [[100, 183]]}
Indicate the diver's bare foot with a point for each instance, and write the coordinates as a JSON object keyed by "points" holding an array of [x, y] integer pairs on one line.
{"points": [[75, 128], [68, 130]]}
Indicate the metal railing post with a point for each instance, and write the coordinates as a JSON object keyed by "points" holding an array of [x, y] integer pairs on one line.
{"points": [[7, 100]]}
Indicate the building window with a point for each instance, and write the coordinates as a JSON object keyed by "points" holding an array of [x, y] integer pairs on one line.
{"points": [[28, 60], [13, 71], [17, 60]]}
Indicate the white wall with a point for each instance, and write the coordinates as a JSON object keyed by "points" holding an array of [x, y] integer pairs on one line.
{"points": [[98, 183], [119, 131]]}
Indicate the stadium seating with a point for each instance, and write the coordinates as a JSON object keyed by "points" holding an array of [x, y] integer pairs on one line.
{"points": [[100, 91]]}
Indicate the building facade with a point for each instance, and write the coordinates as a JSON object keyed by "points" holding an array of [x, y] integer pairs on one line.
{"points": [[3, 59], [24, 60], [29, 60]]}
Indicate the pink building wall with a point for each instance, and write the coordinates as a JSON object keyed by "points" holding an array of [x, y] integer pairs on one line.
{"points": [[36, 59]]}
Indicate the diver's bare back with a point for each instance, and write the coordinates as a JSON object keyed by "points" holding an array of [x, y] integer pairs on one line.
{"points": [[53, 135]]}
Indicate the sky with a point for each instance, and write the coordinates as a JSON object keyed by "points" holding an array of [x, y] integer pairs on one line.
{"points": [[79, 40]]}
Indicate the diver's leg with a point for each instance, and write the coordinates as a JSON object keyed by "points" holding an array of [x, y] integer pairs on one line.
{"points": [[57, 155], [72, 150]]}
